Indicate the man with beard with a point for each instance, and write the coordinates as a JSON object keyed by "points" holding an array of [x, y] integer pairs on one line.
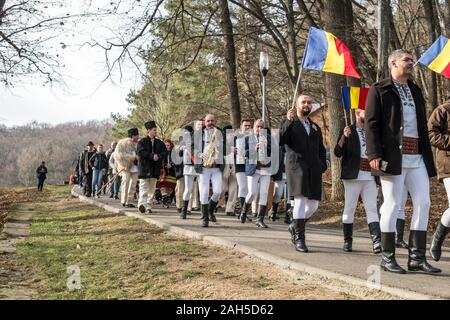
{"points": [[358, 181], [305, 164], [398, 148]]}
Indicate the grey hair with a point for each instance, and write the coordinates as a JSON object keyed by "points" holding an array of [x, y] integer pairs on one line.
{"points": [[395, 55]]}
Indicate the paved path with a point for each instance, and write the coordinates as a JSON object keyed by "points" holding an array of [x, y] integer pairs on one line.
{"points": [[325, 258]]}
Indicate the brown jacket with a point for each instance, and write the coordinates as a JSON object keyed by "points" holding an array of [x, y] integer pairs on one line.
{"points": [[439, 132]]}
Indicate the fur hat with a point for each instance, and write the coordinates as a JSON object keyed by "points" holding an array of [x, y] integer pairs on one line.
{"points": [[150, 125], [133, 132]]}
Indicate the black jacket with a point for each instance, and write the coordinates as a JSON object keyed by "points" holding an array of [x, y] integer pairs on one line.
{"points": [[99, 161], [306, 159], [281, 169], [384, 126], [41, 172], [148, 168]]}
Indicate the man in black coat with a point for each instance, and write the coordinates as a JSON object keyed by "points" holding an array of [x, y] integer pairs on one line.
{"points": [[305, 164], [41, 172], [358, 181], [86, 169], [399, 151], [151, 152]]}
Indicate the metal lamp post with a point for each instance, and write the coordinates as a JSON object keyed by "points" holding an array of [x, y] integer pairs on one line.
{"points": [[264, 68]]}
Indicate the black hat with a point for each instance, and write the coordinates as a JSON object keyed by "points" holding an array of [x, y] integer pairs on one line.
{"points": [[133, 132], [189, 128], [90, 143], [150, 125]]}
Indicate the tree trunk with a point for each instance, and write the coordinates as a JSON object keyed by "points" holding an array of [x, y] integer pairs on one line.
{"points": [[384, 6], [230, 64], [334, 20], [431, 27]]}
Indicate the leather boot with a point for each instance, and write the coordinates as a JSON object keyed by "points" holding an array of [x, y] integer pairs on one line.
{"points": [[205, 215], [245, 209], [417, 248], [348, 237], [184, 209], [212, 208], [297, 230], [261, 214], [273, 213], [438, 239], [399, 243], [375, 235], [241, 205], [388, 262], [287, 216]]}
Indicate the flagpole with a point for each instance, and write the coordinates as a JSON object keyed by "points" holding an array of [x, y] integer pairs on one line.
{"points": [[299, 79]]}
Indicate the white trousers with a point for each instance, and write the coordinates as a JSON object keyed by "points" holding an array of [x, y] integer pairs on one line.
{"points": [[278, 190], [417, 183], [146, 191], [368, 191], [191, 191], [445, 220], [128, 186], [253, 190], [304, 208], [242, 184], [215, 176], [229, 184], [401, 212]]}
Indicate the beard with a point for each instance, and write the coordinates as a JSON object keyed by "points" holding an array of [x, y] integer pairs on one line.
{"points": [[306, 113]]}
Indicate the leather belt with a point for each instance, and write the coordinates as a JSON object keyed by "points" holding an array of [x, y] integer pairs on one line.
{"points": [[364, 165], [410, 145]]}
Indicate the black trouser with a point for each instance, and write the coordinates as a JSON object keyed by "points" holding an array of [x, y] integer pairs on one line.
{"points": [[40, 184], [88, 185]]}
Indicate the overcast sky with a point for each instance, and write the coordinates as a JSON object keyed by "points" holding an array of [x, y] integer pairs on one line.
{"points": [[82, 99]]}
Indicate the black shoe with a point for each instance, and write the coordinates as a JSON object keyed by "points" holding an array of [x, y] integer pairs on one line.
{"points": [[179, 210], [416, 257], [245, 209], [273, 212], [254, 214], [141, 208], [196, 209], [211, 210], [130, 205], [400, 227], [111, 195], [297, 229], [348, 237], [205, 215], [375, 235], [229, 214], [149, 211], [438, 239], [261, 213], [116, 196], [288, 214], [124, 205], [388, 262]]}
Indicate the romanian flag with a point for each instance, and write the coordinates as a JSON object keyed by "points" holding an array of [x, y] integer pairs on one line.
{"points": [[354, 98], [437, 58], [324, 52]]}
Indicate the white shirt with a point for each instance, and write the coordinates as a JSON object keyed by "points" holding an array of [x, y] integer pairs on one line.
{"points": [[134, 168], [307, 125], [363, 175], [409, 124]]}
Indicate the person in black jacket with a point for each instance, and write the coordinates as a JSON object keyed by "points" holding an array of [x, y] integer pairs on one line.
{"points": [[305, 164], [99, 164], [86, 169], [358, 181], [151, 152], [399, 150], [41, 172]]}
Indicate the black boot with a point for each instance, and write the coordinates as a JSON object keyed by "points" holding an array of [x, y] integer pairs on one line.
{"points": [[261, 214], [212, 208], [348, 237], [241, 205], [273, 213], [245, 209], [184, 209], [205, 215], [297, 230], [375, 234], [417, 248], [438, 239], [288, 213], [388, 262], [399, 243]]}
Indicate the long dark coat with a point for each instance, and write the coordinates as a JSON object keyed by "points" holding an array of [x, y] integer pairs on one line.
{"points": [[305, 160], [148, 168], [384, 126]]}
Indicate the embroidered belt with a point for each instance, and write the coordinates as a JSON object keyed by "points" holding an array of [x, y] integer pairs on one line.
{"points": [[259, 165], [364, 165], [410, 145]]}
